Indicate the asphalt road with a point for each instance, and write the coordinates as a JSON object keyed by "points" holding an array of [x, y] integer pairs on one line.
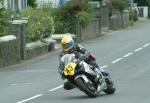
{"points": [[125, 54]]}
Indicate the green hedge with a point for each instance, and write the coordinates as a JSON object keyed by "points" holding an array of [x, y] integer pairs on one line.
{"points": [[40, 23], [46, 20], [119, 4], [5, 15], [67, 16]]}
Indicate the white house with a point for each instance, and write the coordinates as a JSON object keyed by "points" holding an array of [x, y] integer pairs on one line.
{"points": [[55, 3], [15, 4]]}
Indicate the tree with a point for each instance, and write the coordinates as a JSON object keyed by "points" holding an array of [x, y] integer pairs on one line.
{"points": [[141, 2], [32, 3]]}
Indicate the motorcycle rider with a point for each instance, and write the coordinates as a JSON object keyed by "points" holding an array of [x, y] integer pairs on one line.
{"points": [[69, 46]]}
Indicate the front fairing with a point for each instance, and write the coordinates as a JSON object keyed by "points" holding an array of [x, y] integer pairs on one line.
{"points": [[68, 64]]}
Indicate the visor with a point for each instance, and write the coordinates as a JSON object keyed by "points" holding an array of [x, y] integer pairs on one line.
{"points": [[66, 46]]}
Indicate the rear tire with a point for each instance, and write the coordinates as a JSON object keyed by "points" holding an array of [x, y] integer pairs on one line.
{"points": [[84, 87]]}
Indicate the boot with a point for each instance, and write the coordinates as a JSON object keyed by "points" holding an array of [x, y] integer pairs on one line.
{"points": [[105, 73], [68, 85]]}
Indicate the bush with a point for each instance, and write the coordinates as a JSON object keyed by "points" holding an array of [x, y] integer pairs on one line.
{"points": [[84, 18], [40, 24], [46, 20], [131, 14], [67, 16], [32, 3], [119, 4], [5, 15]]}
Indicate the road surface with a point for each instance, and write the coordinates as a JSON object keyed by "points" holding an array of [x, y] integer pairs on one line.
{"points": [[125, 54]]}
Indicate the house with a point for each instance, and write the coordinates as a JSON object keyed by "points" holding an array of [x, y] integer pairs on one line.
{"points": [[55, 3], [15, 4]]}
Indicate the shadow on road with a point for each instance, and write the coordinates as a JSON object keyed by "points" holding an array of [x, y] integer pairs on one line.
{"points": [[83, 96]]}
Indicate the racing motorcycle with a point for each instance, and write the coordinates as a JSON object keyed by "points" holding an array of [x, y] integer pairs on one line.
{"points": [[78, 73]]}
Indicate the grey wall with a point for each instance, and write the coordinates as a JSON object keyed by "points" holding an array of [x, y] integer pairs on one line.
{"points": [[105, 16], [119, 21], [9, 50], [93, 30]]}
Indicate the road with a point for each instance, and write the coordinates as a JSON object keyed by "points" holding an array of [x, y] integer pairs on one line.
{"points": [[125, 54]]}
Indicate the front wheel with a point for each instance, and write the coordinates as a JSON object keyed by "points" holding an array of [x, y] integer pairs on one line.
{"points": [[83, 86], [110, 88]]}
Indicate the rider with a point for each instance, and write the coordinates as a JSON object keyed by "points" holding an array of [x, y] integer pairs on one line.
{"points": [[69, 46]]}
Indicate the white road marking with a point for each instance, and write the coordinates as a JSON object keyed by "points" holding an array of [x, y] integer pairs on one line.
{"points": [[27, 83], [13, 84], [25, 100], [138, 49], [105, 66], [115, 61], [28, 71], [127, 54], [20, 84], [56, 88], [146, 45]]}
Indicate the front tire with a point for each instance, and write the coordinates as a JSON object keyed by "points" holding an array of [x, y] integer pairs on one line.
{"points": [[84, 87], [110, 88]]}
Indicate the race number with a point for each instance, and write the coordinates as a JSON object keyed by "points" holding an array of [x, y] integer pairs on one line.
{"points": [[69, 69]]}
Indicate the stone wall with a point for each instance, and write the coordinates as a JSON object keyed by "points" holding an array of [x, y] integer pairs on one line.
{"points": [[98, 26], [115, 22], [35, 49], [93, 30], [119, 21], [9, 50], [103, 14]]}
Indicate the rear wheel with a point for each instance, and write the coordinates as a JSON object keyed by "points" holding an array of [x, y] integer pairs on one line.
{"points": [[88, 89]]}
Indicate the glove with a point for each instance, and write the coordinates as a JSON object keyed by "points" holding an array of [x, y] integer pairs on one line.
{"points": [[83, 57], [87, 54]]}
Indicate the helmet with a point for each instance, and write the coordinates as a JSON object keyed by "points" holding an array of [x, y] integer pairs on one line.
{"points": [[67, 43]]}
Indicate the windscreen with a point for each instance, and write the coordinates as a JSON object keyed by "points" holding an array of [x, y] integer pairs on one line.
{"points": [[68, 58]]}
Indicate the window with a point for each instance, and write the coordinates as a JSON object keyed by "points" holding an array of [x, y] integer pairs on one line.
{"points": [[8, 4], [16, 5], [25, 3], [12, 3], [22, 4]]}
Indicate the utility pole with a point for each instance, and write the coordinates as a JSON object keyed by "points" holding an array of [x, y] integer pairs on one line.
{"points": [[132, 3], [148, 2]]}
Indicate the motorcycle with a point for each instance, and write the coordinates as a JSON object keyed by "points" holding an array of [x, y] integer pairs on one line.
{"points": [[78, 73]]}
